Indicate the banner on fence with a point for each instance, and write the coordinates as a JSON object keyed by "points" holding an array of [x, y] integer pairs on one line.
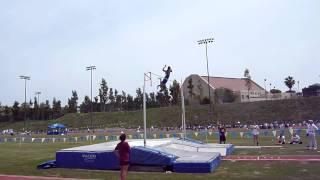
{"points": [[274, 133], [181, 135], [291, 130]]}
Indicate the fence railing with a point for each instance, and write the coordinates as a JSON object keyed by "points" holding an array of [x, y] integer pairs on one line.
{"points": [[198, 135]]}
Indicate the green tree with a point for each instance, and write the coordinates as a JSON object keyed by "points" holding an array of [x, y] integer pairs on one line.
{"points": [[30, 109], [118, 100], [153, 100], [160, 98], [16, 112], [112, 99], [138, 99], [167, 97], [248, 81], [124, 101], [175, 92], [7, 113], [85, 106], [275, 91], [200, 88], [48, 110], [191, 94], [103, 94], [73, 102], [224, 95], [190, 88], [36, 114], [56, 108], [130, 102], [289, 82], [96, 104]]}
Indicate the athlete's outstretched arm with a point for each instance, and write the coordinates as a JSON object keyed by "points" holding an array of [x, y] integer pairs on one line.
{"points": [[163, 68]]}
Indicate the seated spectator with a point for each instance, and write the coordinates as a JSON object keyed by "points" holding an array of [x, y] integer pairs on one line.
{"points": [[281, 140], [295, 139]]}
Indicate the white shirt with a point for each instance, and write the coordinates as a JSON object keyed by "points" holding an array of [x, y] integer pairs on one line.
{"points": [[312, 128], [255, 131], [296, 138]]}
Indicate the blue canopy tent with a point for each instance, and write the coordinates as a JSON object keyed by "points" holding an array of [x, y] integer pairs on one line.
{"points": [[56, 129]]}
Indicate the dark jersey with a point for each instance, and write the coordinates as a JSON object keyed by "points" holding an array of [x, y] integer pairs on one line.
{"points": [[124, 152]]}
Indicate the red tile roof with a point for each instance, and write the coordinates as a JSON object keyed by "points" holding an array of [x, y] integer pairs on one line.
{"points": [[234, 84]]}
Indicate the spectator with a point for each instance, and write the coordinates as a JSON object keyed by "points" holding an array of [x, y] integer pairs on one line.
{"points": [[281, 139], [122, 151], [255, 133], [222, 133], [311, 133], [295, 139], [282, 130]]}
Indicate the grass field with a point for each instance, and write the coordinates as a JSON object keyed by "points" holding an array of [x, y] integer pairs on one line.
{"points": [[22, 159]]}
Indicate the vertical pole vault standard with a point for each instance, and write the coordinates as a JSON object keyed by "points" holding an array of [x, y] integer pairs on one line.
{"points": [[145, 108], [144, 111], [183, 115]]}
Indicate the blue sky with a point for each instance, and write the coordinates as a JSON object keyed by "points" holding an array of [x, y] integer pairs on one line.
{"points": [[53, 42]]}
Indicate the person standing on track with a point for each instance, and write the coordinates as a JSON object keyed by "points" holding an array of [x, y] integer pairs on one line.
{"points": [[255, 133], [122, 151], [222, 134], [311, 133]]}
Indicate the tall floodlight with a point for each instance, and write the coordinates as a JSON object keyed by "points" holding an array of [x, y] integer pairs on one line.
{"points": [[38, 96], [91, 68], [26, 78], [206, 42]]}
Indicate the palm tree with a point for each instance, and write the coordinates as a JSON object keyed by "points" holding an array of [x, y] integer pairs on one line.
{"points": [[248, 81], [289, 81]]}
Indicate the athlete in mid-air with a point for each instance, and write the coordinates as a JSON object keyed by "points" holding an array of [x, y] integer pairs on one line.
{"points": [[166, 77]]}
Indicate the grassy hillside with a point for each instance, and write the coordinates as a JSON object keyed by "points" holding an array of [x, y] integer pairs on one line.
{"points": [[266, 111]]}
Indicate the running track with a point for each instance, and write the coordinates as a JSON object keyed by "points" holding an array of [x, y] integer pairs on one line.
{"points": [[300, 158]]}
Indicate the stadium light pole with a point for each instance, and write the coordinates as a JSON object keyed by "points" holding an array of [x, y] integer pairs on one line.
{"points": [[206, 42], [91, 68], [25, 78], [38, 94]]}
